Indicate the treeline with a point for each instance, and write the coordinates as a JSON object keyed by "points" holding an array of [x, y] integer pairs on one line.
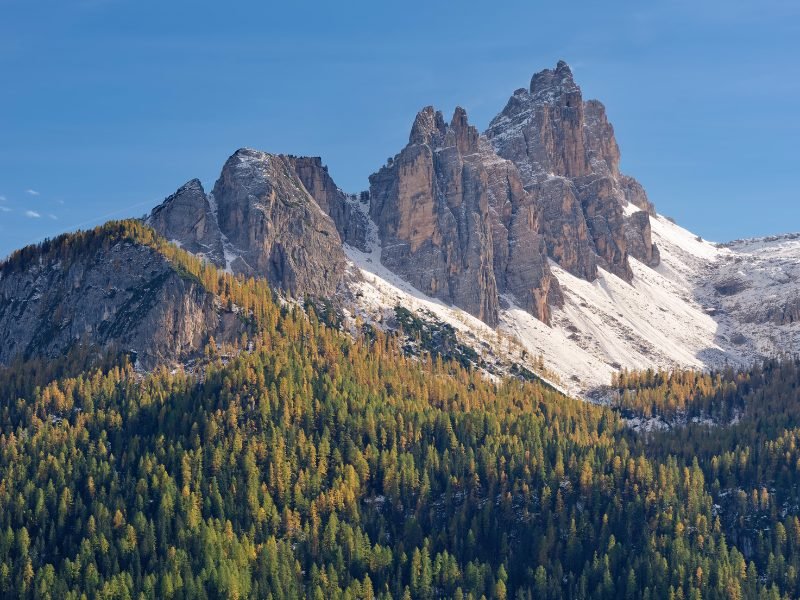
{"points": [[681, 392]]}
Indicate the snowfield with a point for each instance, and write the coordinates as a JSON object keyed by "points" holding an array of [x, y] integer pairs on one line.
{"points": [[704, 306]]}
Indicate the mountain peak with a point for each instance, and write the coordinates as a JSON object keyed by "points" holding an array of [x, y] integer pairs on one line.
{"points": [[192, 184], [550, 81], [459, 117], [428, 123], [466, 135], [186, 216]]}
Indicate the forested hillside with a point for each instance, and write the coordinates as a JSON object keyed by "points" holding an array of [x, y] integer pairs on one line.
{"points": [[312, 464]]}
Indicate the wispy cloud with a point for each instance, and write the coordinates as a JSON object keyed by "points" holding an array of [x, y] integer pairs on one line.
{"points": [[52, 216], [32, 214], [31, 192], [4, 209], [2, 198]]}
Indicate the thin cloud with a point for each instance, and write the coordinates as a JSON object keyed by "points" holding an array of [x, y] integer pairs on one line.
{"points": [[4, 209], [31, 192], [32, 214], [2, 198], [52, 216]]}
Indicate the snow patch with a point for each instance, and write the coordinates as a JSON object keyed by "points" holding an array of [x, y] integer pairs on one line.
{"points": [[669, 317]]}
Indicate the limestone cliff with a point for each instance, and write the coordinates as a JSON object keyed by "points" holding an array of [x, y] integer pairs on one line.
{"points": [[271, 216], [431, 206], [456, 221], [568, 160], [350, 220]]}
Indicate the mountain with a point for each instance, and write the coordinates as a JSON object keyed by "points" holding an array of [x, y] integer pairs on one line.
{"points": [[589, 276], [525, 243]]}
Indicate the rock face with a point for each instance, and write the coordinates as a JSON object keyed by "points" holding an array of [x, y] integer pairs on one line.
{"points": [[463, 217], [123, 297], [277, 229], [350, 220], [520, 253], [268, 216], [456, 222], [568, 159], [431, 207], [187, 218], [638, 236]]}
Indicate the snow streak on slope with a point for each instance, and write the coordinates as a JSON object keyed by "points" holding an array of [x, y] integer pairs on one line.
{"points": [[671, 316], [751, 287], [380, 290], [609, 324]]}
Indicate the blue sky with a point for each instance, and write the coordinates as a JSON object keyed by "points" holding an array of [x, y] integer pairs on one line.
{"points": [[107, 106]]}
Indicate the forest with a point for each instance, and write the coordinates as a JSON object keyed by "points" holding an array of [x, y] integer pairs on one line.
{"points": [[307, 462]]}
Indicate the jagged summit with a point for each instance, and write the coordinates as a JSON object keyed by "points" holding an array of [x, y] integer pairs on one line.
{"points": [[528, 232], [428, 123], [553, 82], [430, 128], [262, 220], [568, 159], [464, 217], [188, 216], [455, 221], [432, 216]]}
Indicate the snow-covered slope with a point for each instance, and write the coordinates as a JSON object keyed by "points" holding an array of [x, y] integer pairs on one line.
{"points": [[705, 304]]}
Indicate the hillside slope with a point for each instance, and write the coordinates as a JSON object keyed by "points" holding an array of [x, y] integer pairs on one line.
{"points": [[117, 288]]}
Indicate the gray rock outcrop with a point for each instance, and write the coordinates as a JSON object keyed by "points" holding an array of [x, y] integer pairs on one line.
{"points": [[463, 217], [456, 221], [123, 296], [639, 239], [187, 217], [350, 220], [275, 227], [521, 267], [430, 204], [568, 159]]}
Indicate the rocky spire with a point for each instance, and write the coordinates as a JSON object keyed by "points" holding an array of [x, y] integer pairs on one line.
{"points": [[465, 135], [553, 81], [431, 208], [568, 159], [456, 222], [187, 218], [428, 125]]}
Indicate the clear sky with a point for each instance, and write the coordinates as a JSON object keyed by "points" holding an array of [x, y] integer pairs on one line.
{"points": [[107, 106]]}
